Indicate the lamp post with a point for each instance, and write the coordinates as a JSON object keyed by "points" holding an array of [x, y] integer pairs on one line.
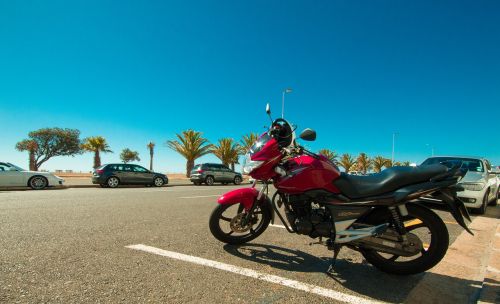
{"points": [[432, 149], [393, 144], [288, 90]]}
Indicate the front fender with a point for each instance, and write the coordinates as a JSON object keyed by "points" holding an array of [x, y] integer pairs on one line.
{"points": [[244, 196]]}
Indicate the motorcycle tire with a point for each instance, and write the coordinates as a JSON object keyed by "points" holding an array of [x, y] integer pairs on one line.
{"points": [[428, 257]]}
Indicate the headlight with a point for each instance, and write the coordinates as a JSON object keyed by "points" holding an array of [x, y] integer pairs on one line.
{"points": [[250, 165], [473, 186]]}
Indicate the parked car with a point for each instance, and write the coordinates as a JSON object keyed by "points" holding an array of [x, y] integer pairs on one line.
{"points": [[113, 175], [480, 183], [212, 173], [14, 176]]}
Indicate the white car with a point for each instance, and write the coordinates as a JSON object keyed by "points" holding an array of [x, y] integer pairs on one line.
{"points": [[481, 184], [14, 176]]}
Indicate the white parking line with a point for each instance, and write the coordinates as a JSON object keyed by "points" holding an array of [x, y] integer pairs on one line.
{"points": [[329, 293], [200, 196]]}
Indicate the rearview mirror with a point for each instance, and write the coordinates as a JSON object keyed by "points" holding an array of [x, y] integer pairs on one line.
{"points": [[308, 134], [268, 109]]}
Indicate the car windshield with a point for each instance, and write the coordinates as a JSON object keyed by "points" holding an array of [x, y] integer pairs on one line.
{"points": [[259, 144], [17, 168], [473, 165]]}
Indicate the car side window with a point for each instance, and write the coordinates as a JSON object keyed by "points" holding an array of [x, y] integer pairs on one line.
{"points": [[139, 169], [3, 167], [127, 168]]}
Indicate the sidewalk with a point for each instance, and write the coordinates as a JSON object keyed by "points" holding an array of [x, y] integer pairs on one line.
{"points": [[469, 271]]}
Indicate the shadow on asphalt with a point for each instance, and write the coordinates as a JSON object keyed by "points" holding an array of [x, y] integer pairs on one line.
{"points": [[361, 278]]}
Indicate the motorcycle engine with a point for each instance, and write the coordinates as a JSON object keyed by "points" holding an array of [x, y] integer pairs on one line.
{"points": [[310, 218]]}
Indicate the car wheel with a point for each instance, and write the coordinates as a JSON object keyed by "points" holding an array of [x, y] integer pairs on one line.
{"points": [[237, 180], [494, 202], [196, 183], [209, 180], [113, 182], [159, 182], [38, 182], [484, 203]]}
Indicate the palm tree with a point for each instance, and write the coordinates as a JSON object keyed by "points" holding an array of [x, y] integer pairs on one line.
{"points": [[31, 146], [347, 162], [389, 163], [128, 155], [378, 163], [96, 144], [151, 147], [247, 142], [191, 145], [331, 155], [227, 151], [396, 164], [363, 163], [405, 164]]}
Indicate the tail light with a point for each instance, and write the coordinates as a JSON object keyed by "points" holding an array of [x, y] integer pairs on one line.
{"points": [[200, 171], [99, 172]]}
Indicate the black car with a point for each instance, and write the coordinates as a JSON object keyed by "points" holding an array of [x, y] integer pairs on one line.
{"points": [[113, 175]]}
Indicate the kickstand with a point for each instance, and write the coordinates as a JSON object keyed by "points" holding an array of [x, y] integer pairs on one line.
{"points": [[336, 250]]}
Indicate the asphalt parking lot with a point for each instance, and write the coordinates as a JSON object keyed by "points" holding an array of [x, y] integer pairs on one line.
{"points": [[77, 245]]}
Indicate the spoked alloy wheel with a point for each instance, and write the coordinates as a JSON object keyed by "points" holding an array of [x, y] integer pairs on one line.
{"points": [[237, 180], [209, 180], [228, 224], [38, 183], [113, 182], [422, 223], [158, 182]]}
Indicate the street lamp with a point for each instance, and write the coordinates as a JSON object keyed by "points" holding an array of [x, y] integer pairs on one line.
{"points": [[288, 90], [393, 143], [432, 149]]}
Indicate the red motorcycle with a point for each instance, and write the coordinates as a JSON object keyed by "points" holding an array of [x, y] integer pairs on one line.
{"points": [[378, 215]]}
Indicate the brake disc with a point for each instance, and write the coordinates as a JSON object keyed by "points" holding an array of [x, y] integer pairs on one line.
{"points": [[237, 226]]}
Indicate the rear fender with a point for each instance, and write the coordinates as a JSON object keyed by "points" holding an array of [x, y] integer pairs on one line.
{"points": [[244, 196], [456, 206]]}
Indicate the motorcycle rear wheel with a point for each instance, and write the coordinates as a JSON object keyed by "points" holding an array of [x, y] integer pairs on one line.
{"points": [[241, 234], [428, 258]]}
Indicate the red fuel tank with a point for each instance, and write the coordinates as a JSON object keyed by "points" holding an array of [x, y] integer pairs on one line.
{"points": [[306, 173]]}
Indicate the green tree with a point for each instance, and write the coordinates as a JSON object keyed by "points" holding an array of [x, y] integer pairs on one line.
{"points": [[128, 155], [389, 163], [191, 145], [96, 144], [363, 163], [247, 142], [347, 162], [331, 155], [50, 142], [151, 147], [227, 151], [31, 146], [378, 163]]}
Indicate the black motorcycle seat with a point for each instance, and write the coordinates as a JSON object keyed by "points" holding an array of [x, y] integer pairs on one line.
{"points": [[355, 186]]}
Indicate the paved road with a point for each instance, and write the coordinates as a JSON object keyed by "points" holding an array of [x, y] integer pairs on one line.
{"points": [[69, 246]]}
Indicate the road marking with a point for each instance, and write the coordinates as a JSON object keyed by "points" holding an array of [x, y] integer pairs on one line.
{"points": [[328, 293], [200, 196]]}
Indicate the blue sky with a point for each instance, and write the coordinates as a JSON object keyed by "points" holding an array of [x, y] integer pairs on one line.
{"points": [[135, 71]]}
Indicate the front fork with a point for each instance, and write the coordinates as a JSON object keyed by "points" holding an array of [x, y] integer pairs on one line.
{"points": [[249, 214]]}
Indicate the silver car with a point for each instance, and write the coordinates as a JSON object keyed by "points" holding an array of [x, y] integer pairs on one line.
{"points": [[481, 185], [212, 173]]}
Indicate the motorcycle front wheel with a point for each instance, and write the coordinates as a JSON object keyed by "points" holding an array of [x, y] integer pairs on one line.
{"points": [[228, 225], [421, 222]]}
